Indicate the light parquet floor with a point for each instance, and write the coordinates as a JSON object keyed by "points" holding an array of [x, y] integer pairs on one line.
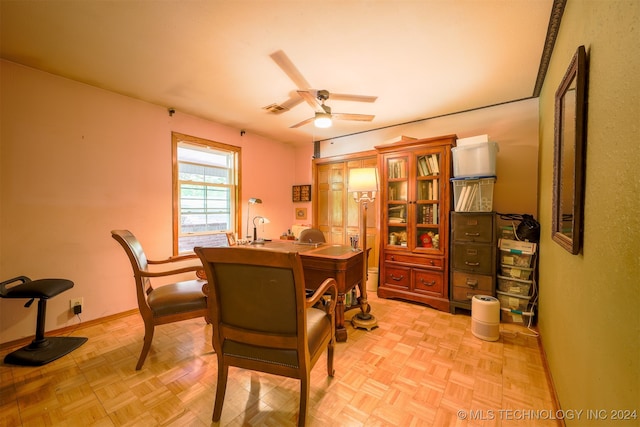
{"points": [[420, 367]]}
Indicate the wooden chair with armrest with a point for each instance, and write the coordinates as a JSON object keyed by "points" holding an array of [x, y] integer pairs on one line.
{"points": [[311, 235], [262, 319], [166, 303]]}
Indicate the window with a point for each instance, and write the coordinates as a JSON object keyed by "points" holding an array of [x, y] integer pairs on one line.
{"points": [[205, 192]]}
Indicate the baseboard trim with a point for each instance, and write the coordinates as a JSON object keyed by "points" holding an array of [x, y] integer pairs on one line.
{"points": [[67, 329], [554, 394]]}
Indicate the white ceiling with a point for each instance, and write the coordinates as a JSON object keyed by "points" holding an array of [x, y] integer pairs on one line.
{"points": [[211, 58]]}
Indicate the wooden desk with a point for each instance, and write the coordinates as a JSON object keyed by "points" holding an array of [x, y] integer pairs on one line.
{"points": [[320, 262]]}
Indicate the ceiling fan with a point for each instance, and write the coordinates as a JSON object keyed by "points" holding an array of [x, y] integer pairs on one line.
{"points": [[324, 116], [315, 98]]}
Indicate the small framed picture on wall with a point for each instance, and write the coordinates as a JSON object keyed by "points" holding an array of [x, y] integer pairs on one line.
{"points": [[301, 213], [301, 193]]}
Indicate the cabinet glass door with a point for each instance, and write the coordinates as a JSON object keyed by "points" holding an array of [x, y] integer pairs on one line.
{"points": [[397, 201], [427, 201]]}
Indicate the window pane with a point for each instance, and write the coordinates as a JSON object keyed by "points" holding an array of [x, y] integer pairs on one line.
{"points": [[206, 191], [204, 208], [201, 173]]}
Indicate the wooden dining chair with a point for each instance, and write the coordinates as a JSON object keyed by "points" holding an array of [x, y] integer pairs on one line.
{"points": [[261, 318], [166, 303]]}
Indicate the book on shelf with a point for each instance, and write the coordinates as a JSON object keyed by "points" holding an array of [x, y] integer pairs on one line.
{"points": [[421, 167], [424, 166], [428, 190], [403, 169], [436, 167], [430, 214]]}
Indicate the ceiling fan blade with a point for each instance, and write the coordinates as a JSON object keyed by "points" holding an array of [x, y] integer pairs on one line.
{"points": [[357, 117], [311, 97], [356, 98], [302, 123], [283, 61], [291, 102]]}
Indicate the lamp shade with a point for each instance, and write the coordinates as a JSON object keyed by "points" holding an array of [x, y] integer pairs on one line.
{"points": [[260, 220], [363, 179]]}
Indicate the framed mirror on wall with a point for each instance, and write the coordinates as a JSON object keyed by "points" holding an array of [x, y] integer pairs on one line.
{"points": [[569, 154]]}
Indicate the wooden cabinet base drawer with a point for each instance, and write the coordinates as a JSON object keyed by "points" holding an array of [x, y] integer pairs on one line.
{"points": [[435, 263], [428, 281], [398, 277]]}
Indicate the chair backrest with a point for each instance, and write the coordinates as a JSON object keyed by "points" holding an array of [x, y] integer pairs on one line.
{"points": [[311, 235], [257, 304], [139, 263]]}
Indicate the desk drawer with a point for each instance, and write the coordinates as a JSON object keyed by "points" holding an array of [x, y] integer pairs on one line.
{"points": [[428, 282], [435, 263], [398, 277]]}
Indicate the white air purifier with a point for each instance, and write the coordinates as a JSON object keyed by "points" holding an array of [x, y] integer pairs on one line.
{"points": [[485, 317]]}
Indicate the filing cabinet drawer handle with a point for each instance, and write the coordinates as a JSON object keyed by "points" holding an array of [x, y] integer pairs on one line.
{"points": [[472, 283], [396, 278], [424, 282], [472, 234], [472, 264]]}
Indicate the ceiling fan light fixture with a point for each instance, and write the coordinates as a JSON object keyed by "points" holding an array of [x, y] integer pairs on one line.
{"points": [[322, 120]]}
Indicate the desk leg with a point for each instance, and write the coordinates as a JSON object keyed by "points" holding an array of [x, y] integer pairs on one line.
{"points": [[341, 331]]}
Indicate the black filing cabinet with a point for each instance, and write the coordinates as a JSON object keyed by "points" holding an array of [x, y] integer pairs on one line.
{"points": [[473, 257]]}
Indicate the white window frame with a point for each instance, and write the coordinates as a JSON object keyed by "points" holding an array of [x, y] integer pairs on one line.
{"points": [[183, 242]]}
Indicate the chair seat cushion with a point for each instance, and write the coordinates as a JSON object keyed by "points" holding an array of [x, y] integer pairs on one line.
{"points": [[177, 298], [41, 288], [318, 327]]}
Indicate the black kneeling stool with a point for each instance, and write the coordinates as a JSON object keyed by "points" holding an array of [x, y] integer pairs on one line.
{"points": [[41, 350]]}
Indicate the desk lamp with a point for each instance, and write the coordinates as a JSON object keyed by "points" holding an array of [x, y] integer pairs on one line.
{"points": [[252, 201], [261, 220], [363, 183]]}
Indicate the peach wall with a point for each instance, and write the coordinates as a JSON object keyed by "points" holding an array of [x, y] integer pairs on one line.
{"points": [[514, 126], [77, 162]]}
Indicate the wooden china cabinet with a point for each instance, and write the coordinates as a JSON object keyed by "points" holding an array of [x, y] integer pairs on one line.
{"points": [[415, 201]]}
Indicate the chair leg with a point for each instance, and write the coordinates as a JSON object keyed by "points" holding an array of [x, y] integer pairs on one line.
{"points": [[148, 337], [223, 372], [304, 399], [330, 351]]}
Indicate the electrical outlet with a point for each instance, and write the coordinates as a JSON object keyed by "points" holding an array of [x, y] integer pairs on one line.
{"points": [[73, 302]]}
